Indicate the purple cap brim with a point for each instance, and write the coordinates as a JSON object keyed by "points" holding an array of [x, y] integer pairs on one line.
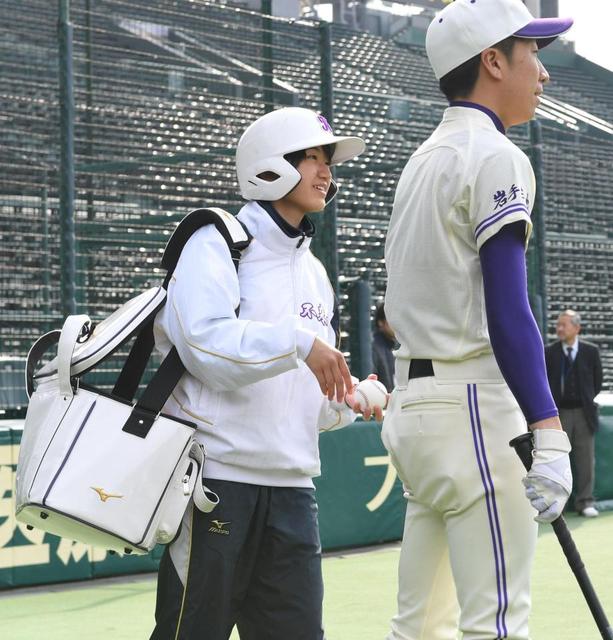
{"points": [[545, 30]]}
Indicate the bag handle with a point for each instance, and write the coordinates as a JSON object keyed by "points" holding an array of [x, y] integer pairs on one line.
{"points": [[149, 405], [205, 499], [37, 350], [133, 368], [160, 387], [74, 328]]}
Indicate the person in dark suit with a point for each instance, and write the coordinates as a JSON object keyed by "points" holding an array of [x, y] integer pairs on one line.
{"points": [[383, 342], [575, 377]]}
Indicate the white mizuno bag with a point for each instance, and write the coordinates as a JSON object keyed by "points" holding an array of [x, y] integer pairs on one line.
{"points": [[98, 467]]}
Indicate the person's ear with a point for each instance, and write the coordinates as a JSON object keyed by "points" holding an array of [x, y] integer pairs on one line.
{"points": [[491, 61]]}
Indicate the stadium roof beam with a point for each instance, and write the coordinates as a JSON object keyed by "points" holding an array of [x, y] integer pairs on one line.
{"points": [[141, 30], [243, 71], [570, 116]]}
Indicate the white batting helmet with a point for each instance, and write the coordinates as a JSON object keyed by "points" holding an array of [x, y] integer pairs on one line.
{"points": [[264, 144]]}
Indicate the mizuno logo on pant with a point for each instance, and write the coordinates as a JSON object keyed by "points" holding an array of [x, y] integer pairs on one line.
{"points": [[219, 527]]}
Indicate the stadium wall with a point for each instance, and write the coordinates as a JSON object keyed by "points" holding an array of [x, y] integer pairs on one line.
{"points": [[359, 495]]}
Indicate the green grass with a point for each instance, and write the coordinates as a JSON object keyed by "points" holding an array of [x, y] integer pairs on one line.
{"points": [[359, 601]]}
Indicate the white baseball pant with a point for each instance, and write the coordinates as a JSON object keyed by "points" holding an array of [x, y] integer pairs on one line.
{"points": [[469, 534]]}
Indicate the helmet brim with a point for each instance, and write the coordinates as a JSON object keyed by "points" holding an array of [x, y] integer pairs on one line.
{"points": [[347, 148]]}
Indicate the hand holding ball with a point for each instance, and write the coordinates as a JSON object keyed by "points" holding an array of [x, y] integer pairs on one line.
{"points": [[370, 394]]}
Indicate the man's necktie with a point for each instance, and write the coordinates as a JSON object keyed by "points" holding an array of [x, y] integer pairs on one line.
{"points": [[567, 364]]}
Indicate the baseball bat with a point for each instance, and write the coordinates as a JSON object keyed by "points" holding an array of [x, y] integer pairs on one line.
{"points": [[523, 446]]}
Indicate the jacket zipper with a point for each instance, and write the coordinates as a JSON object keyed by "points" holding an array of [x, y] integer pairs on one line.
{"points": [[292, 268]]}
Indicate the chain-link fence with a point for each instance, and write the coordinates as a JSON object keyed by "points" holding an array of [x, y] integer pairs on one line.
{"points": [[162, 90], [29, 135]]}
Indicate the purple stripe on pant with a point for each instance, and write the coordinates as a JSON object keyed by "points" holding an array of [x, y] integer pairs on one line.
{"points": [[492, 511]]}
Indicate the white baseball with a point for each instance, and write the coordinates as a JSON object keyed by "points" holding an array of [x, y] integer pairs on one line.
{"points": [[370, 393]]}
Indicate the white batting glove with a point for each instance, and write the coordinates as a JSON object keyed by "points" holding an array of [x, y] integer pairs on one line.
{"points": [[549, 481]]}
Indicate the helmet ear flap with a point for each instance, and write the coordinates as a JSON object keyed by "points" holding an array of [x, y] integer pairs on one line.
{"points": [[332, 191], [267, 179]]}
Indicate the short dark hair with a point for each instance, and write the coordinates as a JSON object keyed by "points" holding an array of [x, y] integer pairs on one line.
{"points": [[296, 157], [459, 82], [380, 313]]}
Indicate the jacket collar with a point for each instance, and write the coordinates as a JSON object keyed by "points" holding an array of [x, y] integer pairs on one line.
{"points": [[575, 346], [461, 111], [269, 228], [306, 228], [479, 107]]}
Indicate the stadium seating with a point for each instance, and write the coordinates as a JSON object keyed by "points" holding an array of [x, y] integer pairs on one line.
{"points": [[162, 92], [582, 91]]}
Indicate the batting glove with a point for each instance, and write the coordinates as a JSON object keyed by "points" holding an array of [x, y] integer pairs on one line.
{"points": [[549, 481]]}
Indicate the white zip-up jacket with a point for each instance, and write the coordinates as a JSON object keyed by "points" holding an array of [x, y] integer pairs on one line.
{"points": [[258, 407]]}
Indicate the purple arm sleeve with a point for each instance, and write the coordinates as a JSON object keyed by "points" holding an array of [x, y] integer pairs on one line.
{"points": [[514, 334]]}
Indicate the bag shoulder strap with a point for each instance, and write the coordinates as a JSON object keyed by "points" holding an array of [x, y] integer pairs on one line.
{"points": [[231, 228], [238, 238]]}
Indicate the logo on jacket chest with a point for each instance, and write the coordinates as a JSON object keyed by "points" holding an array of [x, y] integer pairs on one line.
{"points": [[310, 311]]}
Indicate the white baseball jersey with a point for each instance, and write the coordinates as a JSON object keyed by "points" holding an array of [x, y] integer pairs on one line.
{"points": [[469, 535], [457, 190]]}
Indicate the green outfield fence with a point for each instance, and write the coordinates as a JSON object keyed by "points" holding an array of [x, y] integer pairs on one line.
{"points": [[359, 495], [357, 474]]}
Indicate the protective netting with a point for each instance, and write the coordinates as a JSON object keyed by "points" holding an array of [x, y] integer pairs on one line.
{"points": [[162, 92]]}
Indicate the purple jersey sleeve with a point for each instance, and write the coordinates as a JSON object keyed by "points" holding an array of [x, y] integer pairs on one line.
{"points": [[514, 334]]}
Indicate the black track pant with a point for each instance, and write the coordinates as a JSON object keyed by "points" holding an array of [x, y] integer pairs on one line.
{"points": [[255, 561]]}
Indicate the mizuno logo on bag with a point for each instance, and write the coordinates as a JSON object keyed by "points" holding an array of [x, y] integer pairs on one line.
{"points": [[104, 496], [219, 527]]}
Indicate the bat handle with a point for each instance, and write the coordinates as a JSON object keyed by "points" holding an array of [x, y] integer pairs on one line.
{"points": [[524, 446], [576, 564]]}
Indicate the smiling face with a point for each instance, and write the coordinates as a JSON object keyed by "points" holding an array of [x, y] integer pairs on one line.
{"points": [[309, 194], [523, 80]]}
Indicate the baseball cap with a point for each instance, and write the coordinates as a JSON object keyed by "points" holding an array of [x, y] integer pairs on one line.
{"points": [[465, 28]]}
